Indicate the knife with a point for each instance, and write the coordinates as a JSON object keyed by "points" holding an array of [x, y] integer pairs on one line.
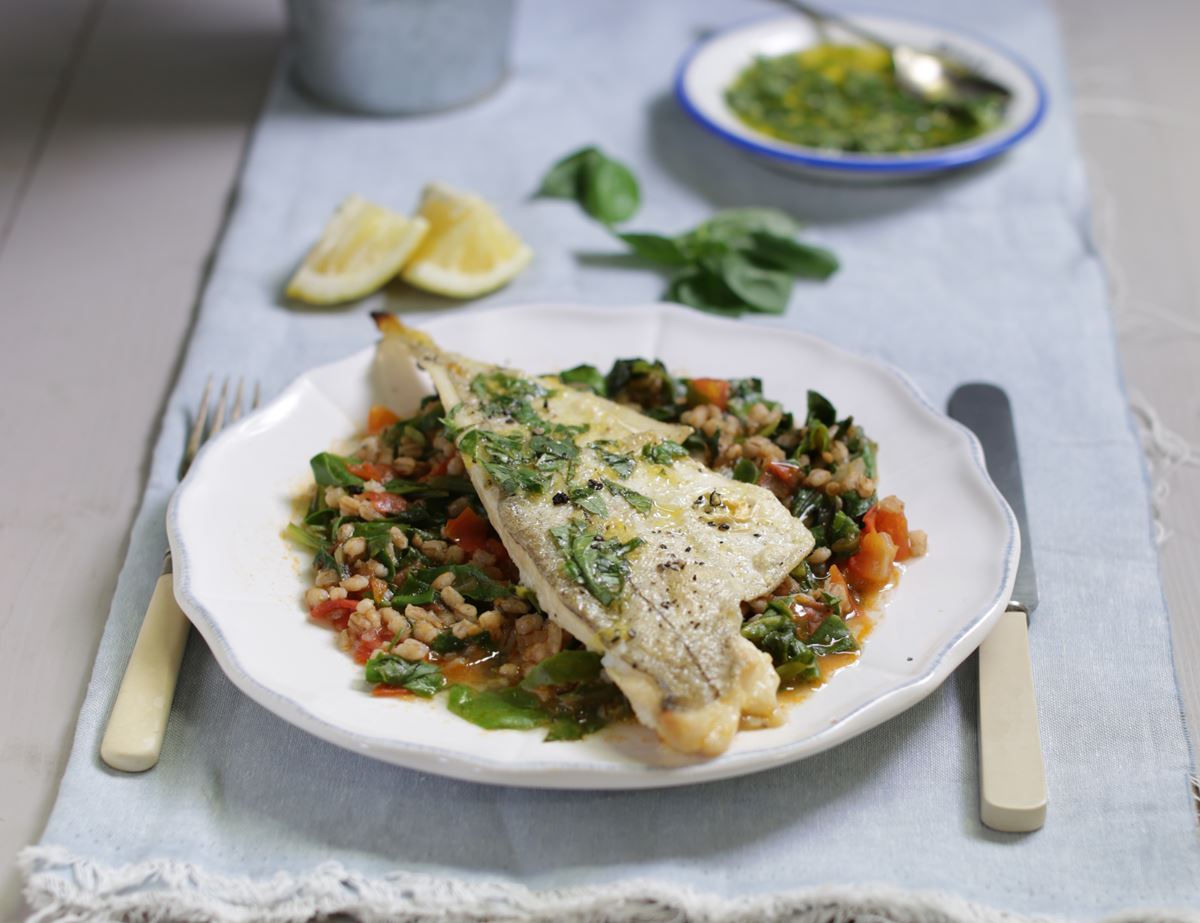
{"points": [[1012, 775]]}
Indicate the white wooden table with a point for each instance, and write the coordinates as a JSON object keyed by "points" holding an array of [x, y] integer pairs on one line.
{"points": [[121, 127]]}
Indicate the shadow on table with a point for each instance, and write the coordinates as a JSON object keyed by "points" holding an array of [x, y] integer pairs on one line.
{"points": [[727, 177], [403, 818]]}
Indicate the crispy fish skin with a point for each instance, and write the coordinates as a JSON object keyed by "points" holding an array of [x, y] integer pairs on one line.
{"points": [[671, 639]]}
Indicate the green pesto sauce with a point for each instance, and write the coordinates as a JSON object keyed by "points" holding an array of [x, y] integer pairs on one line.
{"points": [[845, 98]]}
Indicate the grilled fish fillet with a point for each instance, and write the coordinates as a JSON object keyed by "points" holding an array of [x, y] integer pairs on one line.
{"points": [[633, 547]]}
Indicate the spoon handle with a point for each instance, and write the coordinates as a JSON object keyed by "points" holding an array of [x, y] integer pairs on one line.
{"points": [[819, 15]]}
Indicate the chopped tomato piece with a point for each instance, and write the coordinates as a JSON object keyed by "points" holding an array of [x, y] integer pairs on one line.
{"points": [[790, 473], [380, 418], [369, 471], [335, 612], [496, 549], [367, 645], [440, 468], [470, 530], [390, 691], [387, 504], [871, 565], [888, 516], [709, 391], [837, 586], [379, 589]]}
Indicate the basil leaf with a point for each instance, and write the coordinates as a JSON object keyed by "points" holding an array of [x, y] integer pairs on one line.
{"points": [[655, 248], [732, 224], [766, 290], [746, 471], [586, 377], [792, 256], [305, 537], [563, 179], [639, 502], [610, 190], [699, 287], [563, 667], [512, 709], [417, 676], [605, 188], [330, 470]]}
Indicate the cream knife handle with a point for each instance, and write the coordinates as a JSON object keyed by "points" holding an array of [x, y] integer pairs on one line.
{"points": [[134, 736], [1012, 777]]}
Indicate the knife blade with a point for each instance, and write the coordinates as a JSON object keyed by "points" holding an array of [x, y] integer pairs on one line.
{"points": [[986, 411], [1012, 774]]}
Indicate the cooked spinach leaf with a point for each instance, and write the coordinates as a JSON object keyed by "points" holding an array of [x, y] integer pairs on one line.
{"points": [[562, 668], [832, 637], [585, 377], [746, 471], [417, 676], [330, 470], [513, 709], [305, 536]]}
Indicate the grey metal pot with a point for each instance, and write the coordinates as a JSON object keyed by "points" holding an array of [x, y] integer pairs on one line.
{"points": [[396, 57]]}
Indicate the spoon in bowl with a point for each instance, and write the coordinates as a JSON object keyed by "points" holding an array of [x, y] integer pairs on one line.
{"points": [[925, 75]]}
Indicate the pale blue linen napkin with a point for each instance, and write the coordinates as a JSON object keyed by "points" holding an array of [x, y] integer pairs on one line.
{"points": [[986, 275]]}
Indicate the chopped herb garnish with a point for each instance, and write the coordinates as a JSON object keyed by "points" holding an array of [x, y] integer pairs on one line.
{"points": [[599, 564], [663, 453], [623, 465], [586, 498], [639, 502]]}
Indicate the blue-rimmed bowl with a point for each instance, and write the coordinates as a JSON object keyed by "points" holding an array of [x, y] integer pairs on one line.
{"points": [[713, 64]]}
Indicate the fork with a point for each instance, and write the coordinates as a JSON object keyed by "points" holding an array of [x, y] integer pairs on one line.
{"points": [[134, 736]]}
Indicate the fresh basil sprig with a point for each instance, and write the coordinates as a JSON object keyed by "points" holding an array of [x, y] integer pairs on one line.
{"points": [[605, 188], [741, 259]]}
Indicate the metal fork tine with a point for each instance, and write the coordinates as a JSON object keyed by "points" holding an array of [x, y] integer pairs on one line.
{"points": [[219, 413], [235, 413], [257, 396], [196, 436]]}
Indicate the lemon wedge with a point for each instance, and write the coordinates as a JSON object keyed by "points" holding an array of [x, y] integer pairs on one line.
{"points": [[468, 251], [362, 247]]}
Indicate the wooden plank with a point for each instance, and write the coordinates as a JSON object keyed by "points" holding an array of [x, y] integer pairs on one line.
{"points": [[98, 279], [38, 45]]}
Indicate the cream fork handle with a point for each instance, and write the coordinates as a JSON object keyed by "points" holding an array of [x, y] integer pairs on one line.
{"points": [[134, 736], [1012, 776]]}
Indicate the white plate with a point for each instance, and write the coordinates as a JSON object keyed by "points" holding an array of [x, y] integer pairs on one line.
{"points": [[713, 64], [241, 583]]}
